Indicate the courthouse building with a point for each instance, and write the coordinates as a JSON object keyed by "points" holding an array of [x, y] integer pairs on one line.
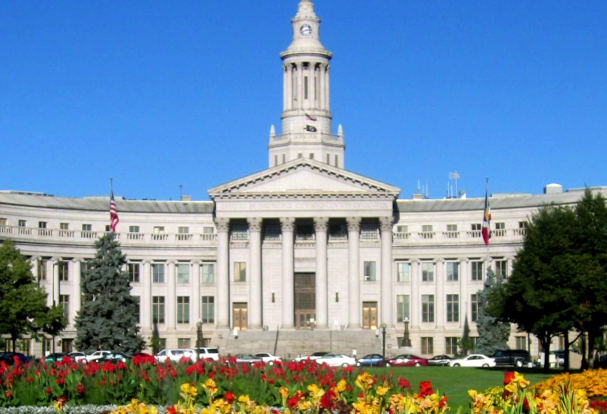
{"points": [[302, 256]]}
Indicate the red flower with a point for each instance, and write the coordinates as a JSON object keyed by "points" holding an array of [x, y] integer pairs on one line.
{"points": [[29, 379], [60, 381], [229, 397], [508, 376], [48, 390], [79, 388], [326, 401], [171, 410], [121, 366], [425, 388], [8, 394], [403, 383], [442, 402], [347, 370]]}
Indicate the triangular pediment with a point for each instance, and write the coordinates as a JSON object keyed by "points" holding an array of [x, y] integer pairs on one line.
{"points": [[303, 177]]}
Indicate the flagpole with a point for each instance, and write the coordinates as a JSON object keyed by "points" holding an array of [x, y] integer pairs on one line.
{"points": [[489, 223]]}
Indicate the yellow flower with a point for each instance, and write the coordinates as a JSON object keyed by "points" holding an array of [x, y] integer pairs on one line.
{"points": [[341, 385], [382, 390], [189, 390], [364, 381], [315, 391], [284, 393]]}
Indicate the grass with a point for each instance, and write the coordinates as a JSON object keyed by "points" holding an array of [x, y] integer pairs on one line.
{"points": [[455, 382]]}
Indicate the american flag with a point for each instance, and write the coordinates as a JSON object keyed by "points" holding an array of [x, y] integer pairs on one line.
{"points": [[113, 213], [487, 221]]}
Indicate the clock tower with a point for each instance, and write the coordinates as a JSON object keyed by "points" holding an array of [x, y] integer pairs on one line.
{"points": [[306, 115]]}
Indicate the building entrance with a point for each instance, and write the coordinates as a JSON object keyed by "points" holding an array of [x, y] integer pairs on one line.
{"points": [[240, 315], [370, 315], [305, 300]]}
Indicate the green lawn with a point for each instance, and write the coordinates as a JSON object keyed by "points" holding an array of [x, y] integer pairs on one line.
{"points": [[455, 382]]}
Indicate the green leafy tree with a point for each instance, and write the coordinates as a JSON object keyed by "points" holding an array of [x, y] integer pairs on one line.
{"points": [[493, 334], [23, 309], [108, 315]]}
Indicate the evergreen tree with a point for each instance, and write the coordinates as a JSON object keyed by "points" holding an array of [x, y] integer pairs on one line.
{"points": [[108, 315], [492, 334], [23, 309]]}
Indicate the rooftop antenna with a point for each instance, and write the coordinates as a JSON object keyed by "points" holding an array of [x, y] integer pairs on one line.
{"points": [[180, 191], [454, 176]]}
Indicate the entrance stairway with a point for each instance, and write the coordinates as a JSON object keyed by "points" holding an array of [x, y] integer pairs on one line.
{"points": [[289, 344]]}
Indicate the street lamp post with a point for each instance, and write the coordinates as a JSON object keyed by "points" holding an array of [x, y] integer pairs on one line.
{"points": [[406, 340], [198, 338], [383, 335]]}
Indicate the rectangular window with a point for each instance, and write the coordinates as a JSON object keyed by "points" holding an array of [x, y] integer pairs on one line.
{"points": [[336, 161], [240, 271], [474, 307], [137, 309], [402, 308], [452, 271], [183, 273], [208, 309], [451, 345], [305, 87], [369, 231], [477, 270], [183, 230], [64, 226], [42, 263], [183, 309], [63, 271], [157, 230], [522, 224], [452, 308], [402, 229], [208, 273], [427, 346], [501, 268], [85, 266], [133, 229], [87, 227], [427, 228], [521, 342], [107, 228], [500, 226], [207, 230], [239, 231], [3, 220], [284, 158], [42, 224], [402, 271], [311, 155], [476, 226], [427, 308], [158, 309], [134, 269], [183, 343], [427, 271], [22, 223], [473, 340], [328, 159], [158, 272], [64, 302], [369, 271], [451, 227]]}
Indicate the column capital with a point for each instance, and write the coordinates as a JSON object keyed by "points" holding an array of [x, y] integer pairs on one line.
{"points": [[77, 259], [386, 223], [416, 261], [196, 262], [439, 260], [222, 224], [321, 223], [56, 259], [287, 223], [353, 223], [254, 223], [464, 259], [147, 261]]}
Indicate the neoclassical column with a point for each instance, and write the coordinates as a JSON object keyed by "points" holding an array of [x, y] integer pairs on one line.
{"points": [[146, 297], [327, 101], [300, 97], [509, 265], [288, 288], [322, 298], [195, 267], [464, 279], [223, 279], [439, 300], [55, 286], [285, 97], [387, 284], [321, 75], [254, 272], [171, 306], [76, 295], [34, 262], [353, 272], [415, 298]]}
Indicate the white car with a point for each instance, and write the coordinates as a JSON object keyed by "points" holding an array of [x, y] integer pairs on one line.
{"points": [[175, 355], [312, 357], [474, 360], [336, 360], [97, 355], [267, 357], [208, 353], [78, 356]]}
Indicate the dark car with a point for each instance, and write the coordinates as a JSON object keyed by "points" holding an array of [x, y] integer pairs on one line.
{"points": [[8, 357], [512, 357], [371, 360], [57, 356], [442, 360], [407, 360], [115, 357]]}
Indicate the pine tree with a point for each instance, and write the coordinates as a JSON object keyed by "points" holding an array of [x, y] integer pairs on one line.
{"points": [[108, 315], [492, 335]]}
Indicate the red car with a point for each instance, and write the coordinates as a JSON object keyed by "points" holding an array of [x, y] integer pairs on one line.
{"points": [[407, 360]]}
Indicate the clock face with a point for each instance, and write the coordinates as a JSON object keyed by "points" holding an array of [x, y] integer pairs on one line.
{"points": [[305, 30]]}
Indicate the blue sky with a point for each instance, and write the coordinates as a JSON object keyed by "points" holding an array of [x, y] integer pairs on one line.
{"points": [[161, 93]]}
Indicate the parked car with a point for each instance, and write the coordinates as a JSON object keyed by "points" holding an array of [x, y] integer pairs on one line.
{"points": [[407, 360], [247, 359], [57, 356], [474, 360], [312, 357], [8, 357], [268, 358], [440, 360], [97, 355], [556, 359], [371, 360], [115, 357], [208, 353], [175, 355], [512, 357], [336, 360], [78, 356]]}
